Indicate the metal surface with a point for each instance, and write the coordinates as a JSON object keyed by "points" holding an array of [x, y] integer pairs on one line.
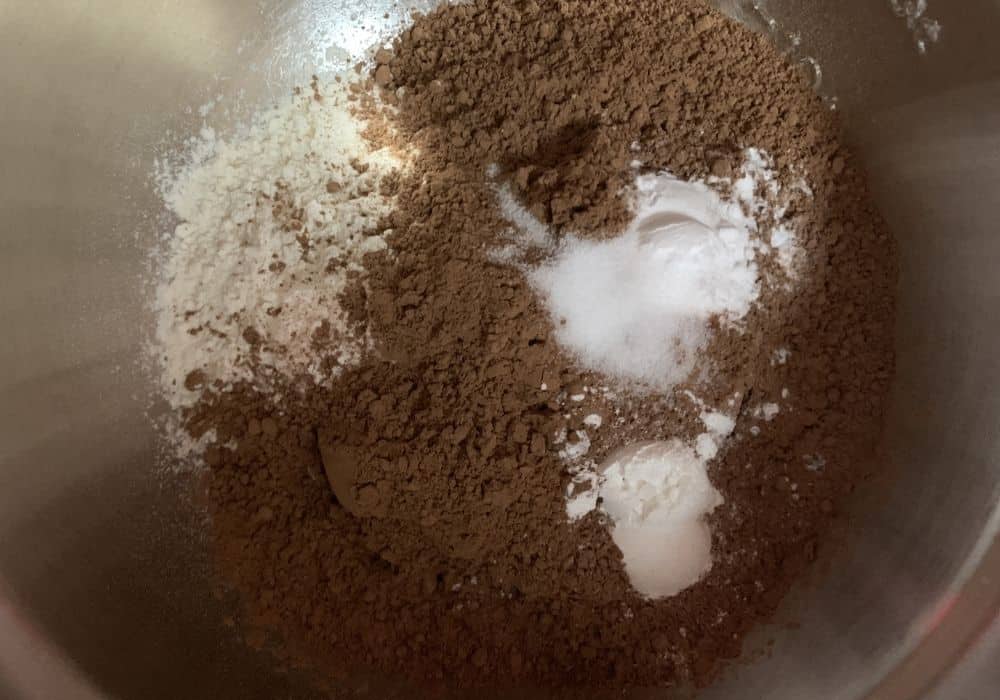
{"points": [[103, 575]]}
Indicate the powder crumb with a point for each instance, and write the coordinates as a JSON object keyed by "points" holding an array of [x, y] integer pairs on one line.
{"points": [[815, 463], [767, 411], [656, 494], [577, 445], [594, 421]]}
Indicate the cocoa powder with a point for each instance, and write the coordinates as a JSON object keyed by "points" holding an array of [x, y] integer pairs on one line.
{"points": [[411, 519]]}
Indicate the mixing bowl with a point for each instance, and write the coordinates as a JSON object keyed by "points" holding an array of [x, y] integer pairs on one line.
{"points": [[103, 579]]}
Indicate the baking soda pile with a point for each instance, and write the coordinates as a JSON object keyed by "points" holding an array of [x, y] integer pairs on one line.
{"points": [[637, 307], [542, 350]]}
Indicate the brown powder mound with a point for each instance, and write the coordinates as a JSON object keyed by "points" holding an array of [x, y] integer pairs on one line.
{"points": [[559, 91], [411, 518]]}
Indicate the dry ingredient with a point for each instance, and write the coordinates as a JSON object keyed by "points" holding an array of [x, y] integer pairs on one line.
{"points": [[637, 306], [658, 494], [273, 225], [411, 516]]}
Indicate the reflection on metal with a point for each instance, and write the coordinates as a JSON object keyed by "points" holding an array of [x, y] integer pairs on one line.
{"points": [[790, 44]]}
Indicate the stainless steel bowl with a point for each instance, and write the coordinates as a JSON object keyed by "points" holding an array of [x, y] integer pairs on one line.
{"points": [[103, 586]]}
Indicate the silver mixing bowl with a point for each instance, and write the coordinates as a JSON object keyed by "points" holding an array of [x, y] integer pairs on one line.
{"points": [[103, 585]]}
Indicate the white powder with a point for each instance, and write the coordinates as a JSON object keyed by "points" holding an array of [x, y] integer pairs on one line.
{"points": [[582, 492], [719, 426], [232, 264], [637, 306], [529, 231], [767, 411], [783, 243], [594, 421], [657, 494], [718, 423], [757, 195]]}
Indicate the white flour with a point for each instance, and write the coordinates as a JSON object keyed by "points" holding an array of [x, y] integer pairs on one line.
{"points": [[271, 225]]}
